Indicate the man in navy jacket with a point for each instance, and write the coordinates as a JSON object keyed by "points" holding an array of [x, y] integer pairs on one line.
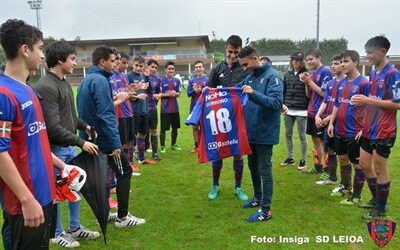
{"points": [[262, 116]]}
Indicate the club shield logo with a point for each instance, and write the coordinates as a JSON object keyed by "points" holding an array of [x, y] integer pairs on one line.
{"points": [[381, 231]]}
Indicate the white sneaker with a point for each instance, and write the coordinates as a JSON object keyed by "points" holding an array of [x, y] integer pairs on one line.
{"points": [[65, 240], [130, 221], [149, 150], [112, 217], [84, 233], [327, 181]]}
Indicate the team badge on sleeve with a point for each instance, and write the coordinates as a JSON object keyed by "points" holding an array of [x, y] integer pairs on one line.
{"points": [[5, 129], [381, 231]]}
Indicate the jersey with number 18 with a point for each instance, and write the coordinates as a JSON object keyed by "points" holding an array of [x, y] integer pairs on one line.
{"points": [[219, 113]]}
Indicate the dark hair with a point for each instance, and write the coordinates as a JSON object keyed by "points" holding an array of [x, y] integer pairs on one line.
{"points": [[169, 63], [198, 61], [235, 41], [151, 61], [314, 52], [57, 51], [248, 51], [14, 33], [101, 53], [380, 42], [353, 55], [337, 57], [115, 51], [139, 59], [125, 55], [265, 58]]}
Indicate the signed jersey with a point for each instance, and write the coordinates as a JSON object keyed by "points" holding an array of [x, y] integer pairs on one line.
{"points": [[219, 113]]}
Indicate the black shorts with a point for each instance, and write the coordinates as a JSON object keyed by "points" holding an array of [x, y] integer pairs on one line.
{"points": [[329, 143], [126, 131], [170, 120], [382, 147], [153, 119], [348, 146], [312, 129], [23, 237], [141, 124]]}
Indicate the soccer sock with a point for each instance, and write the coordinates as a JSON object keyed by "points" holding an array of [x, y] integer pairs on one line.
{"points": [[129, 153], [154, 143], [141, 149], [345, 173], [238, 171], [332, 166], [372, 186], [174, 135], [216, 166], [318, 167], [147, 141], [382, 193], [358, 182], [162, 138]]}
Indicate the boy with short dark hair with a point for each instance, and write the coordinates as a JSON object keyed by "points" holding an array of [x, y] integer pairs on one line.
{"points": [[154, 95], [170, 91], [140, 107], [196, 84], [349, 121], [379, 132], [316, 83], [323, 117]]}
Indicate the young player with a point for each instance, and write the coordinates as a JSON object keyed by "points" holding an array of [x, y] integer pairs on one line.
{"points": [[228, 73], [322, 121], [62, 123], [349, 121], [153, 97], [140, 108], [196, 84], [295, 104], [316, 83], [27, 179], [123, 108], [101, 115], [170, 91], [379, 132], [262, 115]]}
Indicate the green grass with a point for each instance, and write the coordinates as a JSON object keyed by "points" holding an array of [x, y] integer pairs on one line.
{"points": [[172, 197]]}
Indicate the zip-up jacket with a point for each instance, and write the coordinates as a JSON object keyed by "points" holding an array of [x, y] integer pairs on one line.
{"points": [[294, 91]]}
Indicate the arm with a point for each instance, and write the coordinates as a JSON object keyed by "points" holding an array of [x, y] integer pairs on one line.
{"points": [[101, 92], [31, 209], [318, 121], [190, 91], [332, 120], [50, 107], [273, 96]]}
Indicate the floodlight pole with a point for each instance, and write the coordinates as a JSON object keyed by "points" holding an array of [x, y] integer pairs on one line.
{"points": [[36, 5], [318, 24]]}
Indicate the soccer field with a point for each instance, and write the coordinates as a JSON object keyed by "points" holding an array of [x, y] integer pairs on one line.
{"points": [[172, 197]]}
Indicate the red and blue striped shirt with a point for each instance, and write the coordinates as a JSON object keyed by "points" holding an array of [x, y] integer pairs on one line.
{"points": [[170, 104], [320, 77], [381, 123], [23, 135], [219, 113], [349, 118]]}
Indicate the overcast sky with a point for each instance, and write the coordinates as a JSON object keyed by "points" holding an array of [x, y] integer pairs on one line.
{"points": [[355, 20]]}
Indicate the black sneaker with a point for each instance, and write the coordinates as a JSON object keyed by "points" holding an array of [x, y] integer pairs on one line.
{"points": [[374, 214], [156, 157], [370, 204], [287, 162], [302, 165]]}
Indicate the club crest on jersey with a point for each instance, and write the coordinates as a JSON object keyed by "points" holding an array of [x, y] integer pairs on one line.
{"points": [[318, 77], [355, 89], [381, 83], [35, 127], [381, 231]]}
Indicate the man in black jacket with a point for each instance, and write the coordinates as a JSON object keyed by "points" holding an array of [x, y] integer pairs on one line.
{"points": [[228, 73], [61, 123]]}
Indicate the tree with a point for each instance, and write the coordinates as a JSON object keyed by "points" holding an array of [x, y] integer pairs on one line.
{"points": [[217, 45]]}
